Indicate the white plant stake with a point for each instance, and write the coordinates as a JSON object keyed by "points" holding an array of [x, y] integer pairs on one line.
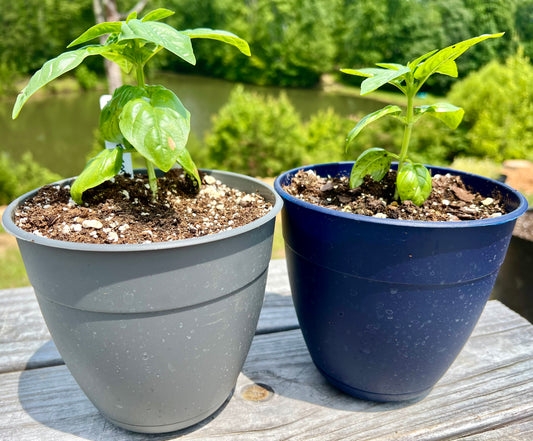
{"points": [[127, 167]]}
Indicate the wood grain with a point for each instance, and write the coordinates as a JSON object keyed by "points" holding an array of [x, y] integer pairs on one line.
{"points": [[486, 395]]}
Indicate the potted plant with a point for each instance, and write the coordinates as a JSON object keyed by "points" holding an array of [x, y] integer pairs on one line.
{"points": [[155, 331], [385, 304]]}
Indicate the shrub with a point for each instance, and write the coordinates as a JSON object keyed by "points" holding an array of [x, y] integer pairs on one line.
{"points": [[87, 79], [264, 136], [256, 135], [19, 177], [325, 133], [8, 180], [498, 104]]}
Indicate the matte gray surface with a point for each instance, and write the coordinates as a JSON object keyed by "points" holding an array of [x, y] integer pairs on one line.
{"points": [[155, 334]]}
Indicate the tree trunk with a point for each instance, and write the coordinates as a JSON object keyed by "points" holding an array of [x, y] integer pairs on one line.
{"points": [[106, 10]]}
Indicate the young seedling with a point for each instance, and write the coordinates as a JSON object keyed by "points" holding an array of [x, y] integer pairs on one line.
{"points": [[413, 181], [147, 119]]}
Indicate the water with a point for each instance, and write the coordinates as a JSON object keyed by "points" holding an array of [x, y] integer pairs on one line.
{"points": [[59, 130]]}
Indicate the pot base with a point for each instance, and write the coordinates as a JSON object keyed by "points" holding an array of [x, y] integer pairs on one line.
{"points": [[165, 428], [373, 396]]}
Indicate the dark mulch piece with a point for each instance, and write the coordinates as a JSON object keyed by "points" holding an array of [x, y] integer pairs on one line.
{"points": [[450, 200], [122, 211]]}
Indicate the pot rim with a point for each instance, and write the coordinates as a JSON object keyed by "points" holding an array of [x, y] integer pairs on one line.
{"points": [[511, 216], [19, 233]]}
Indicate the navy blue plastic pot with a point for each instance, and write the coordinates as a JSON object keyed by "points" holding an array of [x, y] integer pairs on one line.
{"points": [[385, 306]]}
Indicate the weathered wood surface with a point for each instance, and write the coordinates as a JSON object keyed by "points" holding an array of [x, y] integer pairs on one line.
{"points": [[25, 342], [486, 395]]}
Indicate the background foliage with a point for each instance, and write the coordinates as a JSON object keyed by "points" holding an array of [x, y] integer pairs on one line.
{"points": [[293, 41], [19, 177], [498, 120]]}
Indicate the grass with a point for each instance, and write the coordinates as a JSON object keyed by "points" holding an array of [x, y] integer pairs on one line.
{"points": [[483, 167], [12, 271], [278, 247]]}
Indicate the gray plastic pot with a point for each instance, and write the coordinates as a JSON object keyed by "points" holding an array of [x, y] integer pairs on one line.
{"points": [[155, 334]]}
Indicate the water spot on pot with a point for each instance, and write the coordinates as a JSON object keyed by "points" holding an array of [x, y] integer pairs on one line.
{"points": [[129, 297], [123, 324], [145, 356], [257, 392]]}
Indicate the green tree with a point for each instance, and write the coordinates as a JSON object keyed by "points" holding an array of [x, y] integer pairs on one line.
{"points": [[490, 16], [387, 31], [524, 25], [292, 41], [498, 122], [37, 30]]}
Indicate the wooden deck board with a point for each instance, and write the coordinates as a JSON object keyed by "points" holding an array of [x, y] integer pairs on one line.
{"points": [[486, 395]]}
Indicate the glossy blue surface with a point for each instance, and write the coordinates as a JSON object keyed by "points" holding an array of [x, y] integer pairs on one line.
{"points": [[384, 305]]}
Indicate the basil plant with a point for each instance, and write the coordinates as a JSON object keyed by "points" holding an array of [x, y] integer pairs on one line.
{"points": [[413, 180], [147, 119]]}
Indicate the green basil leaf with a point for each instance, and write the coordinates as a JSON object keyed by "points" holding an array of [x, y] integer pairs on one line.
{"points": [[117, 57], [370, 118], [386, 76], [158, 127], [132, 15], [448, 113], [162, 35], [374, 162], [99, 169], [364, 72], [109, 116], [390, 66], [187, 164], [52, 69], [448, 68], [433, 63], [97, 31], [413, 64], [158, 14], [224, 36], [413, 183]]}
